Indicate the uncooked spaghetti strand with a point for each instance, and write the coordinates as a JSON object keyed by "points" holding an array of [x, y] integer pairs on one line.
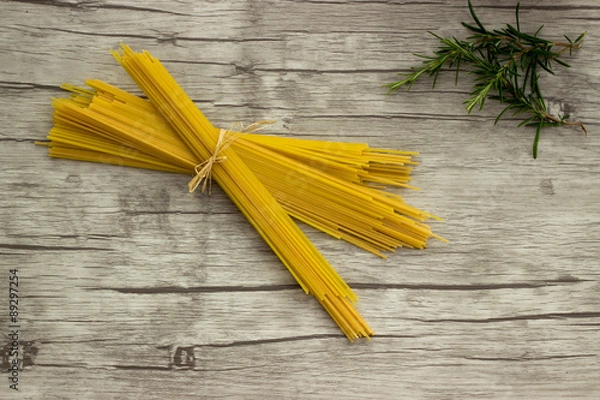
{"points": [[238, 181], [267, 179], [335, 156]]}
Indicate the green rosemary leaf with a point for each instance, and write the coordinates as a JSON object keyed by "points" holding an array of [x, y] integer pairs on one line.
{"points": [[457, 70], [472, 28], [546, 67], [505, 63], [436, 35], [568, 39], [472, 11], [436, 73], [526, 121], [561, 62], [538, 31], [536, 140], [580, 37], [502, 113]]}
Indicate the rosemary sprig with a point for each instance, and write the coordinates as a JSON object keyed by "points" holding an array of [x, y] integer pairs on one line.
{"points": [[507, 64]]}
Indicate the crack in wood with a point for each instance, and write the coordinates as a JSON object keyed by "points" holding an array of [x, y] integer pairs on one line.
{"points": [[419, 116], [273, 340], [355, 285], [329, 71], [28, 86], [104, 367], [551, 316], [468, 287], [94, 5], [553, 8], [37, 247], [197, 289], [18, 140], [152, 212], [172, 37], [528, 359], [298, 338], [139, 367]]}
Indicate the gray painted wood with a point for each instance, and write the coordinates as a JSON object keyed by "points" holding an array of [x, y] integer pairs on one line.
{"points": [[132, 288]]}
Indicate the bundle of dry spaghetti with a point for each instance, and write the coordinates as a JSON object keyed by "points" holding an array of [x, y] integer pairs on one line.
{"points": [[336, 187], [289, 168]]}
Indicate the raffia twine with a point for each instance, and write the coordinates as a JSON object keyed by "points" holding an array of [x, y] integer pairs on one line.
{"points": [[226, 138]]}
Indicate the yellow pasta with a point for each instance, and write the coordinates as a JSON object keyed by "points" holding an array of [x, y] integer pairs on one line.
{"points": [[308, 177], [314, 274], [333, 186]]}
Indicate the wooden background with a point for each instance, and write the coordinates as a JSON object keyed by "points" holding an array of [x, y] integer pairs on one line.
{"points": [[134, 289]]}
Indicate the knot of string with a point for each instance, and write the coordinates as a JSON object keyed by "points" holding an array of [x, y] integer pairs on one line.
{"points": [[203, 171]]}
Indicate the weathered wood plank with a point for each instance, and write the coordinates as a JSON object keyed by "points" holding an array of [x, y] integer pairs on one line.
{"points": [[311, 368], [132, 287], [208, 315]]}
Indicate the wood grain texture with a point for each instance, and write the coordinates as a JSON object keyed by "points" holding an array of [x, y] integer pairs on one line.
{"points": [[131, 288]]}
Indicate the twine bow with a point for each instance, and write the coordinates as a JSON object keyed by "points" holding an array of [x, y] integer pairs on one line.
{"points": [[226, 138]]}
